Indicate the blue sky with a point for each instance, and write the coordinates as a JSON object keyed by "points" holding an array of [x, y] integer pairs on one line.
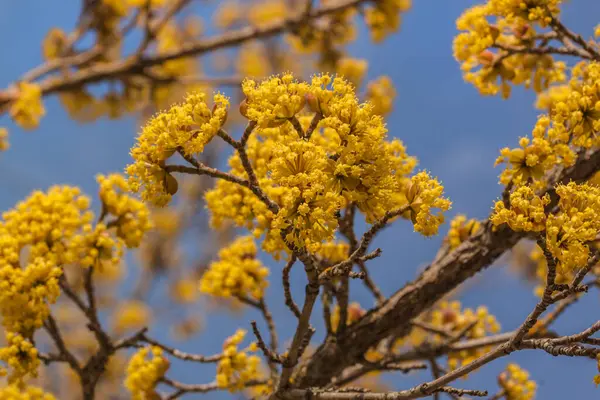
{"points": [[455, 133]]}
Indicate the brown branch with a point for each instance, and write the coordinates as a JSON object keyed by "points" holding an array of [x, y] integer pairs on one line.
{"points": [[180, 354], [439, 278], [299, 394], [289, 301], [133, 65]]}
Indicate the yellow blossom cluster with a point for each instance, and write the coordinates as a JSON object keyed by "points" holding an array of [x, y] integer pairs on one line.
{"points": [[54, 43], [526, 211], [352, 69], [450, 317], [237, 367], [314, 150], [144, 370], [423, 194], [355, 312], [133, 217], [40, 237], [4, 144], [21, 356], [333, 252], [27, 109], [568, 233], [383, 18], [461, 229], [131, 315], [237, 272], [18, 392], [499, 24], [516, 383], [572, 122], [381, 94], [597, 377], [185, 127]]}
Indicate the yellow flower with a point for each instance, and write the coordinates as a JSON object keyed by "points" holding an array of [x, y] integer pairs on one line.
{"points": [[423, 195], [381, 94], [133, 217], [27, 109], [144, 370], [526, 211], [131, 315], [516, 383], [20, 356], [187, 127], [237, 273], [461, 229], [54, 43], [20, 392], [237, 367], [384, 17], [352, 69], [4, 144]]}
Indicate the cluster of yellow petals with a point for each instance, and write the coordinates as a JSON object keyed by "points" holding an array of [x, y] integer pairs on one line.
{"points": [[516, 383], [597, 377], [46, 224], [133, 217], [352, 69], [572, 122], [40, 236], [187, 128], [525, 213], [27, 109], [4, 144], [21, 356], [381, 94], [383, 18], [144, 370], [346, 160], [237, 272], [18, 392], [461, 229], [450, 317], [423, 196], [501, 23], [130, 316], [237, 367], [568, 233]]}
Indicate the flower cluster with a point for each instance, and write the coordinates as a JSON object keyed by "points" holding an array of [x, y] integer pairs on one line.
{"points": [[20, 356], [516, 383], [237, 367], [352, 69], [450, 317], [237, 272], [27, 109], [18, 392], [572, 122], [423, 194], [383, 17], [131, 315], [526, 211], [314, 149], [4, 144], [40, 237], [461, 229], [133, 217], [381, 94], [144, 370], [502, 24], [187, 128], [568, 232]]}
